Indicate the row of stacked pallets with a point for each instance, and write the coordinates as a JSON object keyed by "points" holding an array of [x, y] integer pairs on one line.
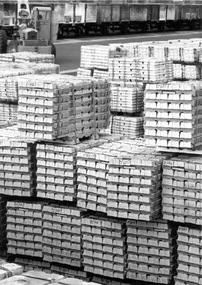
{"points": [[112, 210]]}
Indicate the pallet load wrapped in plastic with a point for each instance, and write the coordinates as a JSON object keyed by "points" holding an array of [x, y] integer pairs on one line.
{"points": [[181, 194], [61, 235], [53, 107], [189, 270], [151, 251], [24, 228], [103, 243], [172, 115]]}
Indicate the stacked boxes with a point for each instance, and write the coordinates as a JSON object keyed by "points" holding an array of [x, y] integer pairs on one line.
{"points": [[44, 110], [94, 56], [127, 126], [103, 246], [61, 231], [134, 185], [17, 158], [65, 106], [153, 70], [24, 228], [56, 172], [124, 69], [84, 73], [8, 99], [182, 198], [126, 98], [151, 248], [172, 114], [101, 103], [21, 57], [8, 113], [92, 171], [189, 269], [31, 264]]}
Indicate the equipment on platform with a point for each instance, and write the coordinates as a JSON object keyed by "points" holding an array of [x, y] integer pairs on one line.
{"points": [[31, 31]]}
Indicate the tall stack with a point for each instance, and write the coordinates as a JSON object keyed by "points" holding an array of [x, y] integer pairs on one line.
{"points": [[189, 269], [52, 107], [94, 59], [56, 172], [8, 99], [126, 95], [152, 251], [17, 158], [134, 186], [172, 114], [126, 98], [103, 246], [182, 199], [24, 228], [61, 235], [92, 174]]}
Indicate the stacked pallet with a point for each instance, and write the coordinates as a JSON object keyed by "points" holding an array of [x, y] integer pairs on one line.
{"points": [[127, 126], [172, 114], [32, 264], [9, 77], [56, 172], [94, 56], [103, 246], [65, 106], [84, 73], [2, 226], [189, 269], [24, 228], [9, 89], [134, 185], [102, 189], [33, 278], [8, 113], [124, 69], [153, 70], [127, 98], [9, 269], [101, 103], [61, 235], [152, 251], [21, 57], [17, 158], [92, 170], [181, 192], [8, 99]]}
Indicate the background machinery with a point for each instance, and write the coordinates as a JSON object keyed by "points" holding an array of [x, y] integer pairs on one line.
{"points": [[29, 31]]}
